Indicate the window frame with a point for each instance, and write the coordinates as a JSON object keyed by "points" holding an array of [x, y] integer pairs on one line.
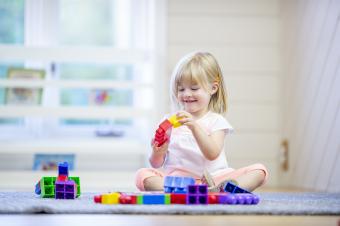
{"points": [[40, 46]]}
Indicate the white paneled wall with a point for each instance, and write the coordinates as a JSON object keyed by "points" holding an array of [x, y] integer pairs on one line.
{"points": [[312, 93], [244, 37]]}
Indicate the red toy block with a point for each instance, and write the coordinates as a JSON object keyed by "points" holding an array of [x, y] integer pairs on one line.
{"points": [[97, 199], [165, 125], [213, 197], [62, 178], [161, 142], [177, 198], [159, 136], [160, 131], [127, 199]]}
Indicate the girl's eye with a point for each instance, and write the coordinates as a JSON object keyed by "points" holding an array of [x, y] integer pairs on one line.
{"points": [[180, 89], [195, 88]]}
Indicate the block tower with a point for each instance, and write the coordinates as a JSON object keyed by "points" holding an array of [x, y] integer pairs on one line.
{"points": [[162, 134], [64, 188], [61, 187]]}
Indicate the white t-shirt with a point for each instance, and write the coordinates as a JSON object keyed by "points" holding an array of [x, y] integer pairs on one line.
{"points": [[184, 152]]}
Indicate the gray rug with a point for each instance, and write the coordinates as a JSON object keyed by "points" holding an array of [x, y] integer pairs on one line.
{"points": [[270, 204]]}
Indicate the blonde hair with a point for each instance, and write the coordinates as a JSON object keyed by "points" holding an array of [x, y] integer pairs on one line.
{"points": [[203, 69]]}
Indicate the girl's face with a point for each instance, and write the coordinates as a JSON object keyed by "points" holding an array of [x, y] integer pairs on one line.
{"points": [[193, 97]]}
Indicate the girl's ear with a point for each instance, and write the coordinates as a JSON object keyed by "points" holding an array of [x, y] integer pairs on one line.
{"points": [[214, 88]]}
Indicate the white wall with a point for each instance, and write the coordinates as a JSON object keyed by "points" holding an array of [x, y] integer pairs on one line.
{"points": [[312, 93], [244, 37]]}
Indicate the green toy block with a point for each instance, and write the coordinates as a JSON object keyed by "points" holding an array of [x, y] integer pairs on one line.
{"points": [[167, 199], [47, 185], [77, 181], [140, 199]]}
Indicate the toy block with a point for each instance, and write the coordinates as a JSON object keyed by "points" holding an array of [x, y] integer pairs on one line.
{"points": [[140, 199], [110, 198], [197, 194], [62, 178], [77, 181], [63, 168], [247, 199], [153, 199], [160, 131], [167, 199], [127, 199], [47, 185], [177, 184], [165, 125], [161, 142], [174, 121], [227, 198], [65, 189], [159, 136], [213, 197], [239, 198], [37, 189], [256, 199], [97, 199], [232, 188], [177, 198]]}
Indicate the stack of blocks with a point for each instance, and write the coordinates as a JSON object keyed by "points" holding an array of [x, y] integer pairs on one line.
{"points": [[161, 135], [182, 190], [61, 187], [64, 188]]}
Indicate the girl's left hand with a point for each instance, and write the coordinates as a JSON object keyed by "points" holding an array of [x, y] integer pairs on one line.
{"points": [[185, 118]]}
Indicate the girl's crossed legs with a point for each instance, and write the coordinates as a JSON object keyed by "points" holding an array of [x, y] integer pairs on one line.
{"points": [[249, 177]]}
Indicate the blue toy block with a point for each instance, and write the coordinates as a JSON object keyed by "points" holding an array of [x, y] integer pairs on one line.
{"points": [[63, 168], [37, 188], [232, 188], [177, 184], [197, 194], [149, 199]]}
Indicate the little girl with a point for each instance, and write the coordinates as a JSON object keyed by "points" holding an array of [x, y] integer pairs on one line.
{"points": [[196, 148]]}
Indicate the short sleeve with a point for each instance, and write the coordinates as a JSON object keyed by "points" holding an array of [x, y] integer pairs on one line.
{"points": [[218, 122]]}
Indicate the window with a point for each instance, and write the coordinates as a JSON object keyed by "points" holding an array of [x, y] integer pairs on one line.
{"points": [[99, 63], [11, 32]]}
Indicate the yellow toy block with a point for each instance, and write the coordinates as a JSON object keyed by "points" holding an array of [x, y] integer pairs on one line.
{"points": [[111, 198], [174, 121]]}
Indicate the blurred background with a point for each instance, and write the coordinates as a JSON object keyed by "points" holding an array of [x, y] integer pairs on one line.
{"points": [[86, 81]]}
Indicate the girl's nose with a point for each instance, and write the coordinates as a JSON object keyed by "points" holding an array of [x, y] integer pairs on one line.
{"points": [[187, 93]]}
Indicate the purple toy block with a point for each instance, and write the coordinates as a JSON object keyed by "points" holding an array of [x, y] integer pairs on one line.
{"points": [[197, 194], [227, 199], [241, 199], [256, 199], [248, 199], [65, 189]]}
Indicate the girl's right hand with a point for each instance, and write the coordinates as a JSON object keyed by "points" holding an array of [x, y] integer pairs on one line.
{"points": [[161, 150]]}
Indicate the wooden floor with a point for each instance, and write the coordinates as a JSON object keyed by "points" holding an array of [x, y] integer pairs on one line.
{"points": [[166, 220]]}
